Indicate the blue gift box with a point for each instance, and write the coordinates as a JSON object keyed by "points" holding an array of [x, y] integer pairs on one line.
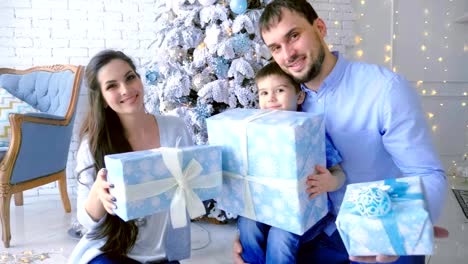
{"points": [[175, 179], [267, 156], [385, 217]]}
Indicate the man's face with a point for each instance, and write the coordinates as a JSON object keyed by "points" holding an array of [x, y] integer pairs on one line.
{"points": [[296, 46]]}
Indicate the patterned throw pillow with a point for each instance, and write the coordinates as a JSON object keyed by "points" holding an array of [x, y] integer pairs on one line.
{"points": [[10, 104]]}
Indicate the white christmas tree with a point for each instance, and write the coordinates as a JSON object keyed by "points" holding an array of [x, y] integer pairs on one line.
{"points": [[207, 53]]}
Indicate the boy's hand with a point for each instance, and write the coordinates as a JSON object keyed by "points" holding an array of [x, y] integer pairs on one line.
{"points": [[321, 182]]}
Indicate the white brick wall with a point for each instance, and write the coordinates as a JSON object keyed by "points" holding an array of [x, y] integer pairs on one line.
{"points": [[44, 32]]}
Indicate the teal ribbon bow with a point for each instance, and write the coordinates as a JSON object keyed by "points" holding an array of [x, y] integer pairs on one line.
{"points": [[383, 209]]}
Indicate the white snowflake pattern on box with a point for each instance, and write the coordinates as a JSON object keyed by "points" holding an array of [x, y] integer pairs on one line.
{"points": [[134, 170], [405, 230], [283, 147]]}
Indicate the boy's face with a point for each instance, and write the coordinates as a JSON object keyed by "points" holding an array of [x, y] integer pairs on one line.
{"points": [[277, 92]]}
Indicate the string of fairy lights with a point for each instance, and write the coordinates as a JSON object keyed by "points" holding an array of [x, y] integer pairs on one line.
{"points": [[433, 56]]}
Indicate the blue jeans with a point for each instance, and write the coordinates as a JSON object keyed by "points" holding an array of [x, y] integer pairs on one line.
{"points": [[265, 244], [262, 243], [330, 249], [105, 259]]}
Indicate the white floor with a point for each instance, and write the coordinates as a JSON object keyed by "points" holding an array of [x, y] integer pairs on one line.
{"points": [[39, 230]]}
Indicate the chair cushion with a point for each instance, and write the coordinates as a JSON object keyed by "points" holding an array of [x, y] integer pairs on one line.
{"points": [[46, 91], [10, 104]]}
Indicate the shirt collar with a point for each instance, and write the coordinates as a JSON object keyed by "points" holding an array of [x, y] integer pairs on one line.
{"points": [[333, 77]]}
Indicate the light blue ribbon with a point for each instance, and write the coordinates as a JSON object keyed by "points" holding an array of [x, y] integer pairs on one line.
{"points": [[397, 192]]}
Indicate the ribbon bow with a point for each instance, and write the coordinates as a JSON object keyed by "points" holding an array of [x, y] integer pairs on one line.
{"points": [[184, 181], [378, 201]]}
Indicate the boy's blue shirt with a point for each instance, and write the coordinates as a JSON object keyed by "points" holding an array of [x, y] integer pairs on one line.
{"points": [[332, 155]]}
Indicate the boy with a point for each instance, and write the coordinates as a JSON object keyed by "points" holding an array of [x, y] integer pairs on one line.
{"points": [[263, 243]]}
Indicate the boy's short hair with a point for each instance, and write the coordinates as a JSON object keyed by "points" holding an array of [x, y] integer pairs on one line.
{"points": [[272, 68]]}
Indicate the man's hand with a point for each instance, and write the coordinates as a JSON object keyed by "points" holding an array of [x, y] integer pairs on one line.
{"points": [[374, 259], [439, 232], [237, 251]]}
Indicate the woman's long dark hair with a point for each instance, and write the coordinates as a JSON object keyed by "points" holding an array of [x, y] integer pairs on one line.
{"points": [[106, 136]]}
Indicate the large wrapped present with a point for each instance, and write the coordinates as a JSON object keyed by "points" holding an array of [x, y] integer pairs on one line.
{"points": [[267, 156], [155, 180], [385, 217]]}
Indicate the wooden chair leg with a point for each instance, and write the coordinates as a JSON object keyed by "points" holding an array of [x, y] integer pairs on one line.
{"points": [[63, 193], [5, 197], [18, 198]]}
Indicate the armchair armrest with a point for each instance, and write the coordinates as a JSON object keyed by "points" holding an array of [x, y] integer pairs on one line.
{"points": [[35, 142], [45, 116]]}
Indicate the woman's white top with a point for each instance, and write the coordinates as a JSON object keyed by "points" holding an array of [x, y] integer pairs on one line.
{"points": [[156, 239]]}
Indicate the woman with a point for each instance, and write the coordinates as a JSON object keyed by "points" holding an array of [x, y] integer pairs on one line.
{"points": [[117, 122]]}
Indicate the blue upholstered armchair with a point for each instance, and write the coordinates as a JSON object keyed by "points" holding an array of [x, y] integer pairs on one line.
{"points": [[38, 150]]}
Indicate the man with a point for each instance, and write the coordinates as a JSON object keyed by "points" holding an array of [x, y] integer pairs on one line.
{"points": [[372, 115]]}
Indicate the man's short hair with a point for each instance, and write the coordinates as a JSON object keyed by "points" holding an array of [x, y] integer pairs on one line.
{"points": [[272, 12]]}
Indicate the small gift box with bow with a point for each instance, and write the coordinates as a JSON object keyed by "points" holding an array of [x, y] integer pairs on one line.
{"points": [[385, 217], [267, 156], [175, 179]]}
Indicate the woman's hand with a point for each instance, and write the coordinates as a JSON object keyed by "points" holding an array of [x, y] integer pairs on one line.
{"points": [[100, 200], [237, 251]]}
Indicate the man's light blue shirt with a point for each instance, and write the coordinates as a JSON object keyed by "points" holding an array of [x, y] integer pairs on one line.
{"points": [[375, 120]]}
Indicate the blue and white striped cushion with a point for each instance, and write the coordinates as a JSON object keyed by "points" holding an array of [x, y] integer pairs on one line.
{"points": [[10, 104]]}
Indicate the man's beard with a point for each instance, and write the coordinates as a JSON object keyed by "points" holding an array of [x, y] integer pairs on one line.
{"points": [[315, 68]]}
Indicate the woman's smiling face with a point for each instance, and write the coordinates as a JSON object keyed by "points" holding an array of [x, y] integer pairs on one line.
{"points": [[121, 87]]}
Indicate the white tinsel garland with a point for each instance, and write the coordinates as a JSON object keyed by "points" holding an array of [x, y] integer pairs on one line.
{"points": [[151, 99], [212, 36], [243, 22], [174, 4], [207, 2], [177, 85], [192, 17], [200, 56], [240, 69], [191, 37], [226, 50], [211, 14], [246, 95], [172, 38], [262, 53], [217, 91]]}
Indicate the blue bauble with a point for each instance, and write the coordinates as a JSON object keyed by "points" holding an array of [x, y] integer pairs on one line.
{"points": [[152, 76], [238, 6]]}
